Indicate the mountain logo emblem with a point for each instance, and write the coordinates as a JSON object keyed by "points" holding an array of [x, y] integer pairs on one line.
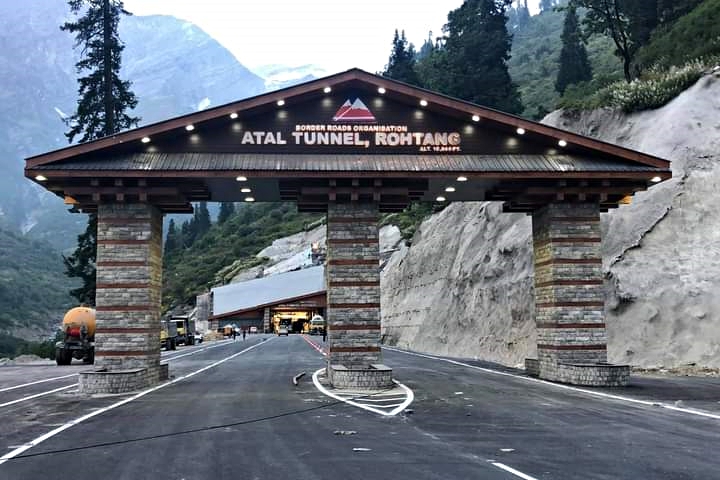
{"points": [[354, 112]]}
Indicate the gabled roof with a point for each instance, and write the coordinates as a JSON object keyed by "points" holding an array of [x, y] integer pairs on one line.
{"points": [[396, 90], [240, 297], [352, 136]]}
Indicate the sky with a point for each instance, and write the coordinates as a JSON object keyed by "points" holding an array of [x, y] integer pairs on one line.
{"points": [[333, 34]]}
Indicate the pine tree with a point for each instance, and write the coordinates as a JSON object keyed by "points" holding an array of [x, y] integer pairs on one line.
{"points": [[523, 14], [477, 46], [171, 241], [427, 48], [104, 98], [574, 64], [187, 233], [100, 112], [546, 5], [201, 219], [227, 209], [81, 264], [401, 64]]}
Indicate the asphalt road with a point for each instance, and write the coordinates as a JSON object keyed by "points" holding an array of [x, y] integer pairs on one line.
{"points": [[244, 419]]}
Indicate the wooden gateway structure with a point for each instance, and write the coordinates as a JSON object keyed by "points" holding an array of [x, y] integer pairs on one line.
{"points": [[352, 145]]}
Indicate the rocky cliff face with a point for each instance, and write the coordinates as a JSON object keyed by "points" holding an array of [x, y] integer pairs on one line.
{"points": [[464, 288]]}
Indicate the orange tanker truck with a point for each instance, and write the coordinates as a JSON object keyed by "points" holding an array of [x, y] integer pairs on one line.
{"points": [[79, 336]]}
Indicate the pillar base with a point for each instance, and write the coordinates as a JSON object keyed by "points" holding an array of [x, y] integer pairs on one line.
{"points": [[372, 377], [585, 374], [121, 381]]}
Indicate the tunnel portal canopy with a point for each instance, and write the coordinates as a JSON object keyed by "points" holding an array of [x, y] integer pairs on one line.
{"points": [[352, 136]]}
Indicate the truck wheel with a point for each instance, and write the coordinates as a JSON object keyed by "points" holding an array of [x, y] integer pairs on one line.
{"points": [[62, 356], [89, 357]]}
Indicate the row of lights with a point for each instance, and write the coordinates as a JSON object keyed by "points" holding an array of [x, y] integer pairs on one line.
{"points": [[242, 178], [382, 91], [450, 189]]}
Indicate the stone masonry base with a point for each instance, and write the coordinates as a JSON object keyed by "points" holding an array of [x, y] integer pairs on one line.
{"points": [[121, 381], [376, 376], [585, 374]]}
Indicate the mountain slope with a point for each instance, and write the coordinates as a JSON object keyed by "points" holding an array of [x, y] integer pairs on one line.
{"points": [[661, 255], [176, 68]]}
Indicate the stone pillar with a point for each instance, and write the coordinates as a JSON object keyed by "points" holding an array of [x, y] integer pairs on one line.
{"points": [[266, 320], [570, 296], [353, 297], [129, 285]]}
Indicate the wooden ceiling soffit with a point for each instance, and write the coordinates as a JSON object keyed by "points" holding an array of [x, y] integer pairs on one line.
{"points": [[86, 194], [391, 195], [530, 196]]}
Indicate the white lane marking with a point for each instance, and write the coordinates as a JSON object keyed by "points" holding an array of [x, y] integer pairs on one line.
{"points": [[7, 389], [37, 395], [649, 403], [400, 408], [72, 423], [513, 471], [196, 351], [30, 397]]}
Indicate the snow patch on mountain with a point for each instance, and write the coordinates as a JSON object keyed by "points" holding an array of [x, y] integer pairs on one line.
{"points": [[281, 76], [203, 104]]}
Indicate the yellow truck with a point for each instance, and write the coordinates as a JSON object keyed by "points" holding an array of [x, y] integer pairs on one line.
{"points": [[78, 336]]}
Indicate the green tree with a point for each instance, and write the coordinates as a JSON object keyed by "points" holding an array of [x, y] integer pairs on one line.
{"points": [[546, 5], [100, 111], [171, 241], [227, 209], [426, 49], [627, 22], [187, 233], [201, 220], [670, 10], [574, 64], [477, 48], [81, 263], [103, 97], [401, 64], [518, 17]]}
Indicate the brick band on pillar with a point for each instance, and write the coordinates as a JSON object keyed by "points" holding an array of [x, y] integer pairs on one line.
{"points": [[569, 292], [129, 283], [353, 293]]}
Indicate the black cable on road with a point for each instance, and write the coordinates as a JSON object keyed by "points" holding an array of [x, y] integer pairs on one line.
{"points": [[194, 430]]}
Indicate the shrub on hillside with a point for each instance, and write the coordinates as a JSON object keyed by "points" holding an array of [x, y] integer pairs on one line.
{"points": [[654, 90]]}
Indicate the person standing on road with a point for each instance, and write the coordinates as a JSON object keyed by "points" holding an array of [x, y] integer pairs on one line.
{"points": [[243, 334], [234, 334]]}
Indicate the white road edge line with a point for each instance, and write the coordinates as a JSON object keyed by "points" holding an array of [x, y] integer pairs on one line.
{"points": [[30, 397], [400, 408], [513, 471], [7, 389], [648, 403], [37, 395], [72, 423]]}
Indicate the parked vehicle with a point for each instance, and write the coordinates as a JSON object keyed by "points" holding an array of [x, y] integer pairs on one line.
{"points": [[317, 325], [185, 328], [253, 329], [168, 334], [199, 337], [78, 327], [283, 331]]}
